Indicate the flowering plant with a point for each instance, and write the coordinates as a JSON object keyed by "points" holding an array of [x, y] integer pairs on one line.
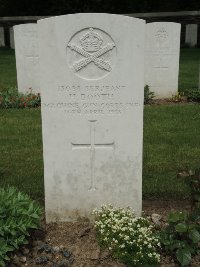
{"points": [[130, 239], [11, 98], [181, 236]]}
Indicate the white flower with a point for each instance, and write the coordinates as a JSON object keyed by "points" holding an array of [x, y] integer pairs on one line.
{"points": [[126, 237]]}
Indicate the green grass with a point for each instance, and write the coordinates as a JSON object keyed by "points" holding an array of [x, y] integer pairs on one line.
{"points": [[189, 68], [171, 143], [21, 161], [7, 68]]}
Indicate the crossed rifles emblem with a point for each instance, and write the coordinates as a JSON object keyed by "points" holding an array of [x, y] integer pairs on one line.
{"points": [[94, 57]]}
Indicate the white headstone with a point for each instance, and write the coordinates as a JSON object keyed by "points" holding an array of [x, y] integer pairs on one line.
{"points": [[27, 58], [191, 34], [12, 40], [162, 58], [2, 38], [92, 80]]}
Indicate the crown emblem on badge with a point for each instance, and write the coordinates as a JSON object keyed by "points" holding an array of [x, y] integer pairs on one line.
{"points": [[91, 41], [92, 47], [161, 35]]}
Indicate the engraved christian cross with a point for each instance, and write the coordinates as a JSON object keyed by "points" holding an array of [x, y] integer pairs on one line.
{"points": [[92, 146]]}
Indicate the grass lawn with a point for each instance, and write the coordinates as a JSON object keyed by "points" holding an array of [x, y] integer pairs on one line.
{"points": [[171, 143], [21, 161], [189, 68], [7, 68]]}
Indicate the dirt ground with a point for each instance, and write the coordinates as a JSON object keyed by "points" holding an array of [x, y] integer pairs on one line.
{"points": [[75, 245]]}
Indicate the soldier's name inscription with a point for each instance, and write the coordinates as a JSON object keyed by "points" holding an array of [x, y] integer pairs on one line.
{"points": [[91, 92]]}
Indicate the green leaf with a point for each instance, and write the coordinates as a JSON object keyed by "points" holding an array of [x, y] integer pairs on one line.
{"points": [[183, 256], [177, 216], [17, 213], [194, 235], [9, 248], [195, 216], [176, 244], [173, 217], [181, 227], [190, 248], [2, 263], [35, 215], [6, 258]]}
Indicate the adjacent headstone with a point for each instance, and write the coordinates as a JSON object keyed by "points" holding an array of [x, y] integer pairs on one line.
{"points": [[162, 58], [2, 38], [12, 40], [92, 80], [191, 34], [27, 58]]}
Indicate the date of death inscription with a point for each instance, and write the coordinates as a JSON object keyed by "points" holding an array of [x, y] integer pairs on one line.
{"points": [[87, 100]]}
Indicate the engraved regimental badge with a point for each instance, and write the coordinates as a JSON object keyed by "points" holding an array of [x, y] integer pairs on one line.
{"points": [[91, 53], [162, 38]]}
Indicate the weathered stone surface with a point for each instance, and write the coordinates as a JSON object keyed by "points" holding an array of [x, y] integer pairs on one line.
{"points": [[12, 40], [162, 58], [156, 218], [191, 34], [2, 37], [27, 58], [92, 80]]}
